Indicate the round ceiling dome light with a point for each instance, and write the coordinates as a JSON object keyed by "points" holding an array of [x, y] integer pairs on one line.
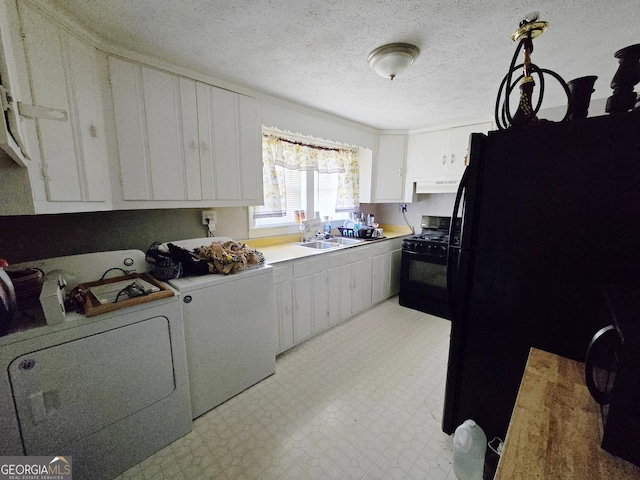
{"points": [[392, 59]]}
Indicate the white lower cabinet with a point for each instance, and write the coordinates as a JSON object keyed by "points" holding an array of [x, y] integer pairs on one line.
{"points": [[316, 293], [283, 290], [352, 270], [321, 313], [381, 268], [302, 308], [380, 281], [310, 297], [301, 300], [394, 269]]}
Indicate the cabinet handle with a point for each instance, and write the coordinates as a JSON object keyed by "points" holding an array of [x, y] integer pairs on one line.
{"points": [[444, 159], [399, 172], [194, 144], [287, 308], [297, 305], [205, 148], [453, 157], [93, 131]]}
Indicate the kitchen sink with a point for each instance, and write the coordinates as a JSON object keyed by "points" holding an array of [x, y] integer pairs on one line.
{"points": [[319, 244], [334, 242], [345, 240]]}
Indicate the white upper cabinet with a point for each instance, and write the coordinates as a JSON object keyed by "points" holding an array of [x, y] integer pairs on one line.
{"points": [[181, 141], [230, 129], [390, 168], [437, 160], [62, 121]]}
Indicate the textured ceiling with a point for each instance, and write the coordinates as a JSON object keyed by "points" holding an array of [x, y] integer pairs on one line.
{"points": [[314, 53]]}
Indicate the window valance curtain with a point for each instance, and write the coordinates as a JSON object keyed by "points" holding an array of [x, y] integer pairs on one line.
{"points": [[281, 152]]}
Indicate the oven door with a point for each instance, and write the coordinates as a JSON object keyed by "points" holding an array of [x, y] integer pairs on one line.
{"points": [[423, 283]]}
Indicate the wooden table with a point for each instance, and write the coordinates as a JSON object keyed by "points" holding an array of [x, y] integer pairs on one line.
{"points": [[554, 432]]}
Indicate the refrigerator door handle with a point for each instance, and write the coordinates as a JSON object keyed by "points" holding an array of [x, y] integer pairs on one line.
{"points": [[451, 273]]}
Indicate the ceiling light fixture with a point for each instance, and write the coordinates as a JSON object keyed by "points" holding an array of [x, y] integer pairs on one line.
{"points": [[393, 59]]}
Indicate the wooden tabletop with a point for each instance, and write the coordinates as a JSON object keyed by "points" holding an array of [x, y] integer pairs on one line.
{"points": [[555, 427]]}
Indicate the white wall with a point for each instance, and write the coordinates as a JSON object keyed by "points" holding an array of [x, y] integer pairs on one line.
{"points": [[437, 204], [317, 124]]}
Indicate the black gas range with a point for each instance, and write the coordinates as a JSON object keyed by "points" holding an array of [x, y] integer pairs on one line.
{"points": [[423, 275]]}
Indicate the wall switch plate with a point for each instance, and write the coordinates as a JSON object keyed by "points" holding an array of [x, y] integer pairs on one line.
{"points": [[208, 217]]}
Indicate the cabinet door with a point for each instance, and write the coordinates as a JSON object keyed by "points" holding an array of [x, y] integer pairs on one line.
{"points": [[63, 75], [218, 142], [380, 278], [459, 147], [157, 133], [362, 272], [163, 115], [428, 155], [230, 130], [250, 145], [345, 294], [390, 168], [284, 302], [131, 126], [320, 302], [333, 289], [394, 272], [302, 298], [91, 150]]}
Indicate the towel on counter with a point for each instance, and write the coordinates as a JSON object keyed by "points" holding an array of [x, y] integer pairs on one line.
{"points": [[229, 257]]}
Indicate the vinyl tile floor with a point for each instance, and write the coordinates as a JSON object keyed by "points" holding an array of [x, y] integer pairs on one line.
{"points": [[362, 400]]}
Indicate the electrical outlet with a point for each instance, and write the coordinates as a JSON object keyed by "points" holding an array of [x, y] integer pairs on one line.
{"points": [[208, 217], [403, 207]]}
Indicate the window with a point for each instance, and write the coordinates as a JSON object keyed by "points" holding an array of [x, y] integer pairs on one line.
{"points": [[305, 176]]}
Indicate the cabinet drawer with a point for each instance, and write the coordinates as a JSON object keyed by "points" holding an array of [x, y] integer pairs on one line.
{"points": [[350, 255], [309, 267], [378, 248], [282, 273]]}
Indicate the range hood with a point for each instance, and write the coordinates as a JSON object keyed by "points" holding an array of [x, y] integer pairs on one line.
{"points": [[438, 185]]}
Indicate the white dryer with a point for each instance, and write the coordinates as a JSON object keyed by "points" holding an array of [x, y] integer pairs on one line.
{"points": [[229, 329], [107, 390]]}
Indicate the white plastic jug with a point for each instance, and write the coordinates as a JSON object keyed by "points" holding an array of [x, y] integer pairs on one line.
{"points": [[469, 448]]}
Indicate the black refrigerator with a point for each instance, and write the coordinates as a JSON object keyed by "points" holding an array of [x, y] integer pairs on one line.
{"points": [[551, 214]]}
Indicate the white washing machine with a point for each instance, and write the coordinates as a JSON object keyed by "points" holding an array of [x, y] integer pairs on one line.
{"points": [[229, 330], [107, 390]]}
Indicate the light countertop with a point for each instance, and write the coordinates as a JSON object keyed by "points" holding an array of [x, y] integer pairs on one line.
{"points": [[287, 250]]}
